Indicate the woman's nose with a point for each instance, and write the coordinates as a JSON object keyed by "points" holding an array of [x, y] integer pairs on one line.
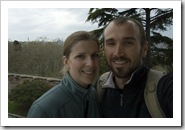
{"points": [[89, 61]]}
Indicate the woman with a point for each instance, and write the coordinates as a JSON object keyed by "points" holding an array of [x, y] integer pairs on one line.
{"points": [[74, 97]]}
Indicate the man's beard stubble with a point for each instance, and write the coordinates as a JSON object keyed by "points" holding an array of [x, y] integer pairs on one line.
{"points": [[122, 72]]}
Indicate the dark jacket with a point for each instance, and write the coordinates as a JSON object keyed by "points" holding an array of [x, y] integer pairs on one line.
{"points": [[66, 100], [129, 102]]}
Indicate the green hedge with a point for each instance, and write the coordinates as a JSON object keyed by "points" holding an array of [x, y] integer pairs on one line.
{"points": [[23, 95]]}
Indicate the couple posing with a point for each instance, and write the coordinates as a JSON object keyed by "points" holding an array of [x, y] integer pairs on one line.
{"points": [[122, 89]]}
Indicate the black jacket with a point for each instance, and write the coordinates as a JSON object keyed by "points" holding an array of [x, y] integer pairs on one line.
{"points": [[129, 102]]}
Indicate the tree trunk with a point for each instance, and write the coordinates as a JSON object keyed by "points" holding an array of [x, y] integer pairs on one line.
{"points": [[147, 31]]}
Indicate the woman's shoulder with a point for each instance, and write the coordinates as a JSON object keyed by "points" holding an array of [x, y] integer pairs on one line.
{"points": [[52, 97]]}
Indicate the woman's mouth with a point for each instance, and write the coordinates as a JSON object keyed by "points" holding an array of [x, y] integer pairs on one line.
{"points": [[88, 72]]}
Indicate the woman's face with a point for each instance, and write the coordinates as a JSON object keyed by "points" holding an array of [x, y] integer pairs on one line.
{"points": [[83, 62]]}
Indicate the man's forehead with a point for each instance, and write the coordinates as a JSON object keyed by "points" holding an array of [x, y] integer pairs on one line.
{"points": [[128, 23]]}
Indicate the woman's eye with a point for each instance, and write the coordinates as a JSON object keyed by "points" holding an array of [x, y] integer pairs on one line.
{"points": [[95, 55], [81, 56]]}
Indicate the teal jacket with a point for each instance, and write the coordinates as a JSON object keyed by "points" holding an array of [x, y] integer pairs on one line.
{"points": [[66, 100]]}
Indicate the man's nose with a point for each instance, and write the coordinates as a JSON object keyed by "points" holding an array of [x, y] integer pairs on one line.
{"points": [[118, 50]]}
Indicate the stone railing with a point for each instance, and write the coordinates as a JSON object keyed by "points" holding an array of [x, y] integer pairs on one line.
{"points": [[11, 115], [15, 79]]}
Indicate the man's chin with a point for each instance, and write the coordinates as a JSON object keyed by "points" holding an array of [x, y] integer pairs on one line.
{"points": [[120, 73]]}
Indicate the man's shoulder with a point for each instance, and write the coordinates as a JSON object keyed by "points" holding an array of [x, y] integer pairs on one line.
{"points": [[167, 79], [165, 94], [164, 76], [105, 75], [155, 74]]}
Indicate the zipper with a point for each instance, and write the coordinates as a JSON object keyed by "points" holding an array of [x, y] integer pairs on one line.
{"points": [[86, 109], [86, 104], [121, 99]]}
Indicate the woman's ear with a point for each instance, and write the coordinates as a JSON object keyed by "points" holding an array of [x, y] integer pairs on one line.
{"points": [[64, 60]]}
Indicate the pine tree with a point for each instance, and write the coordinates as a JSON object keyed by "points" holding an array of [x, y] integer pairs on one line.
{"points": [[154, 20]]}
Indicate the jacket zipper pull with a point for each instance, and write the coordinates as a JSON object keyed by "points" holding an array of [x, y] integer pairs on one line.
{"points": [[121, 99]]}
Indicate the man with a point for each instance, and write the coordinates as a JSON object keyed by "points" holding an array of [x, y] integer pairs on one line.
{"points": [[125, 46]]}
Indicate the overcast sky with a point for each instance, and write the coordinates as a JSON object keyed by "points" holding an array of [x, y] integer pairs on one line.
{"points": [[53, 23], [24, 23]]}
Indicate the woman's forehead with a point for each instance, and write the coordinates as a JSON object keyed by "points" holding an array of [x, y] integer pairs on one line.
{"points": [[85, 46]]}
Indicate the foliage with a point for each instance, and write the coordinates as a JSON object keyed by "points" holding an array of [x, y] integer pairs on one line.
{"points": [[16, 109], [24, 94], [154, 20], [36, 58], [162, 54], [103, 63]]}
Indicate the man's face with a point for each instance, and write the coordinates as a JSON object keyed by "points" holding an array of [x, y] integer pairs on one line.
{"points": [[122, 48]]}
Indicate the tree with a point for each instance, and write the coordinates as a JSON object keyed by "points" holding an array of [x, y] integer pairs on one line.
{"points": [[154, 20], [17, 46]]}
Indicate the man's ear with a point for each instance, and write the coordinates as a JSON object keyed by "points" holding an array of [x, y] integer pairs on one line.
{"points": [[145, 49]]}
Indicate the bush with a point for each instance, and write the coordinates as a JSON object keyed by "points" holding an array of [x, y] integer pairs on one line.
{"points": [[34, 59], [26, 93], [17, 109]]}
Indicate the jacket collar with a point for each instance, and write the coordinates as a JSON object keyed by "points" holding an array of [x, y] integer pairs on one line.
{"points": [[109, 82], [75, 85]]}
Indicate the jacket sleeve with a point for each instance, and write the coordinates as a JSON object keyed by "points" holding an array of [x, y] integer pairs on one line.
{"points": [[165, 94], [36, 111]]}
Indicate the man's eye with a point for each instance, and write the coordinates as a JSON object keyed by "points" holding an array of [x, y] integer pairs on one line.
{"points": [[110, 43], [128, 42]]}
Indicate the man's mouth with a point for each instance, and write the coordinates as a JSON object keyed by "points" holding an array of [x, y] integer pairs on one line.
{"points": [[120, 62]]}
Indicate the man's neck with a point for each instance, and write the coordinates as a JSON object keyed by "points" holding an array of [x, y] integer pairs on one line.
{"points": [[120, 82]]}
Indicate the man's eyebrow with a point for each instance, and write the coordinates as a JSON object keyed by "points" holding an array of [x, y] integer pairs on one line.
{"points": [[109, 40], [125, 38], [129, 38]]}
